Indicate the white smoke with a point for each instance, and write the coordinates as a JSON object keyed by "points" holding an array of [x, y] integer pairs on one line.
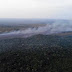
{"points": [[56, 27]]}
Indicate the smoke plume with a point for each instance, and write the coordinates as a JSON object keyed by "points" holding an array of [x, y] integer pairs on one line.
{"points": [[56, 27]]}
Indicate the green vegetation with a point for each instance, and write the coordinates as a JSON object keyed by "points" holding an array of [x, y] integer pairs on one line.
{"points": [[36, 54]]}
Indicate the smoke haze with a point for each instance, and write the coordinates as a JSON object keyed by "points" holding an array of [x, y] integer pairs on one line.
{"points": [[56, 27]]}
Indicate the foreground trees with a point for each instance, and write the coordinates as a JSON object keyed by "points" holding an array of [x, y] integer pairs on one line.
{"points": [[33, 59]]}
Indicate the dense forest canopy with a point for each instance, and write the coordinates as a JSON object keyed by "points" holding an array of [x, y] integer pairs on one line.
{"points": [[39, 53]]}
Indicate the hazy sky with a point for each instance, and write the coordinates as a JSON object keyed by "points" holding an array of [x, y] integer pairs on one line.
{"points": [[61, 9]]}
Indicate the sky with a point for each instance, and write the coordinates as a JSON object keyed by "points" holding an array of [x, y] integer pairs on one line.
{"points": [[52, 9]]}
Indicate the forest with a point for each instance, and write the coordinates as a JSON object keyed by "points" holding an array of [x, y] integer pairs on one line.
{"points": [[39, 53]]}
